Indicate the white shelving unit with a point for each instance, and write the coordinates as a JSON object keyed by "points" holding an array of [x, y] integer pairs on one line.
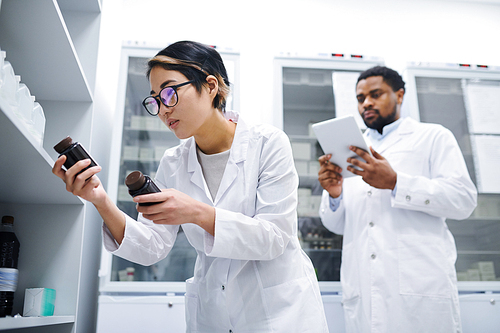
{"points": [[53, 46]]}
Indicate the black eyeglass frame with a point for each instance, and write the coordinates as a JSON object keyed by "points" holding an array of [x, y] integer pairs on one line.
{"points": [[159, 100]]}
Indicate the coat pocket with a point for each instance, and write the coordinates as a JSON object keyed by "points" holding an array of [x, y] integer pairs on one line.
{"points": [[295, 306], [424, 269]]}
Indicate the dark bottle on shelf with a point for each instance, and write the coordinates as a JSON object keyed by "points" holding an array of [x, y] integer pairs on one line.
{"points": [[74, 152], [138, 184], [9, 254]]}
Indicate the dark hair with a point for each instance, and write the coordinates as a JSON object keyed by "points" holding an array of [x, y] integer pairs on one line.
{"points": [[391, 77], [195, 61]]}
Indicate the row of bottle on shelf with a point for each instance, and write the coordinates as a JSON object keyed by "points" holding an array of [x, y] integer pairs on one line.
{"points": [[17, 97], [37, 301]]}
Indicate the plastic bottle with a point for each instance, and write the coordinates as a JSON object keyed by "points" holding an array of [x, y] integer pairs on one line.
{"points": [[74, 152], [3, 55], [138, 184], [9, 254], [38, 120], [10, 84], [25, 104]]}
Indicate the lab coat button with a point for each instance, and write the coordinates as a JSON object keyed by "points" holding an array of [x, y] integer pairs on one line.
{"points": [[492, 301], [223, 287], [408, 198], [371, 224], [427, 201], [373, 256], [369, 193]]}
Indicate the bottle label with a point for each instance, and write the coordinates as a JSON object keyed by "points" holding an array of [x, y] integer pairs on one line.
{"points": [[8, 279]]}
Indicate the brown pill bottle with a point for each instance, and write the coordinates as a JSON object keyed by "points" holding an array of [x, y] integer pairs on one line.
{"points": [[138, 184], [74, 152]]}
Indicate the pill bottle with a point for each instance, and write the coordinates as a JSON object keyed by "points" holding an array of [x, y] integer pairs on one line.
{"points": [[74, 152], [138, 184]]}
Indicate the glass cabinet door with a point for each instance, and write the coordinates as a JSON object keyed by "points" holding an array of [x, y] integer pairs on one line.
{"points": [[308, 98], [315, 90], [144, 140], [455, 99], [143, 143]]}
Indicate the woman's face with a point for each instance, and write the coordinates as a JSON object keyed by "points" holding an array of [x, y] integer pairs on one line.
{"points": [[187, 117]]}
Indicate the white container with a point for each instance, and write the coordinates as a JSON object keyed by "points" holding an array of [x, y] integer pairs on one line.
{"points": [[3, 55], [38, 120], [10, 84], [25, 104]]}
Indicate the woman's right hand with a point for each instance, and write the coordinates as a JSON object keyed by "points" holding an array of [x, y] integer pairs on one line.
{"points": [[329, 176], [86, 185]]}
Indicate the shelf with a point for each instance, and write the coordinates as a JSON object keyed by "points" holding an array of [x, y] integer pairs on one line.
{"points": [[312, 139], [26, 322], [35, 183], [51, 73]]}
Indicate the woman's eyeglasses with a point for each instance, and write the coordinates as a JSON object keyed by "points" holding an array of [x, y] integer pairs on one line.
{"points": [[168, 96]]}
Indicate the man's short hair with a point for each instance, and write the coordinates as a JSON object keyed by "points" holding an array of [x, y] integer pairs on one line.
{"points": [[391, 77]]}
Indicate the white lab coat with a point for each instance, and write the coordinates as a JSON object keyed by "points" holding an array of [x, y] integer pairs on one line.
{"points": [[398, 258], [253, 275]]}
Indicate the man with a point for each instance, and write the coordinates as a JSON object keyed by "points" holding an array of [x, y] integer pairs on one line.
{"points": [[398, 260]]}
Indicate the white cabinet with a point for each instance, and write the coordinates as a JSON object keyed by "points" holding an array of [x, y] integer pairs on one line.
{"points": [[152, 314], [443, 94], [53, 46]]}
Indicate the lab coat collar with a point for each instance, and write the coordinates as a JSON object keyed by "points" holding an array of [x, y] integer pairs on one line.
{"points": [[238, 154], [406, 127]]}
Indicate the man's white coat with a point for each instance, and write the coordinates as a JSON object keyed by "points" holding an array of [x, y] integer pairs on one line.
{"points": [[398, 258]]}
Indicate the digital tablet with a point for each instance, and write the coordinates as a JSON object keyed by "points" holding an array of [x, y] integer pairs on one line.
{"points": [[335, 136]]}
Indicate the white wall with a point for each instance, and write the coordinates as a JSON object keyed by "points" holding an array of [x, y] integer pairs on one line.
{"points": [[457, 31]]}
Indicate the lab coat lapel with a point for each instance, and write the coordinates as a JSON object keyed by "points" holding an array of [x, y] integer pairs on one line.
{"points": [[194, 168], [237, 155], [406, 127]]}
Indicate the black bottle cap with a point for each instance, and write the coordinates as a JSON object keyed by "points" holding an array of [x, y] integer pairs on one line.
{"points": [[63, 144], [135, 180], [7, 219]]}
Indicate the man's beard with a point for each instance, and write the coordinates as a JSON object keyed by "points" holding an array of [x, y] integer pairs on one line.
{"points": [[380, 122]]}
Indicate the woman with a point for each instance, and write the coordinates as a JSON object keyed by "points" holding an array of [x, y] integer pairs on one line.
{"points": [[233, 188]]}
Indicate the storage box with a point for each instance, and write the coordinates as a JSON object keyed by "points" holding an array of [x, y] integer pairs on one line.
{"points": [[473, 275], [485, 267], [301, 167], [462, 276], [131, 153], [301, 150], [137, 122], [39, 302], [146, 154]]}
